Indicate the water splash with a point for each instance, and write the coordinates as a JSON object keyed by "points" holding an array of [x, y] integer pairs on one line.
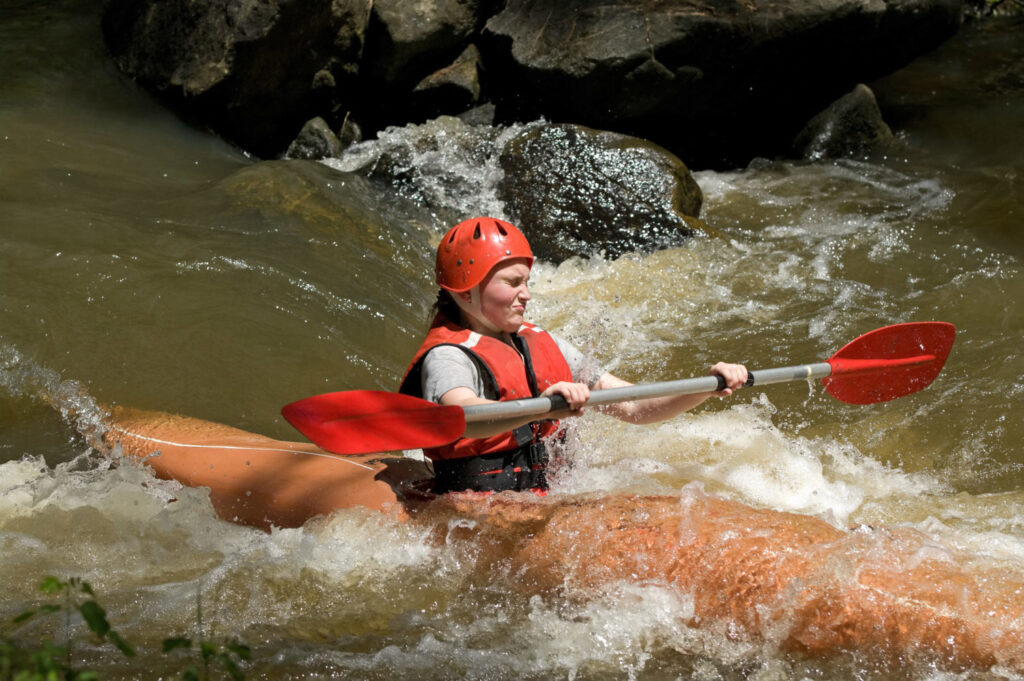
{"points": [[20, 377], [444, 164]]}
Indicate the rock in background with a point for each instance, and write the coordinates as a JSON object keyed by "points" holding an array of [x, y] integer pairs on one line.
{"points": [[850, 127], [716, 82], [252, 70]]}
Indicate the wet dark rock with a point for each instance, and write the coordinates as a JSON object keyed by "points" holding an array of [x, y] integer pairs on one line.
{"points": [[574, 191], [716, 82], [405, 37], [316, 140], [851, 127], [453, 89], [253, 70], [578, 191], [350, 133], [479, 115]]}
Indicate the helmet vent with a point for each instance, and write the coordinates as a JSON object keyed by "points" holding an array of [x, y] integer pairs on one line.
{"points": [[476, 232], [501, 228]]}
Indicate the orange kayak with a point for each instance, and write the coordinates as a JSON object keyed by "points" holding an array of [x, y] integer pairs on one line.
{"points": [[785, 580], [256, 480]]}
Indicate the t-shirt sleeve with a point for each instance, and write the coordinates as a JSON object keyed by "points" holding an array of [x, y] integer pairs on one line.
{"points": [[446, 367]]}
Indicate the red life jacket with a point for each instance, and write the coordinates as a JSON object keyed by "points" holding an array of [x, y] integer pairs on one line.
{"points": [[516, 376]]}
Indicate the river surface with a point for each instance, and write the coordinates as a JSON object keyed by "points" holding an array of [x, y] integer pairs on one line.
{"points": [[146, 263]]}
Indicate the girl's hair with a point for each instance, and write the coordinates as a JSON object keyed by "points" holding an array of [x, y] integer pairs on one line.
{"points": [[446, 305]]}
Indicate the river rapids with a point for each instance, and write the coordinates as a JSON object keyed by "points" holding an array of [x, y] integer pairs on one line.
{"points": [[148, 264]]}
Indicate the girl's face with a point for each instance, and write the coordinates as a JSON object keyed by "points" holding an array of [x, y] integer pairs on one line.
{"points": [[497, 304]]}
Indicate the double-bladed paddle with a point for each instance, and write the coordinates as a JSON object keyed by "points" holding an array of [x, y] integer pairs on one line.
{"points": [[881, 365]]}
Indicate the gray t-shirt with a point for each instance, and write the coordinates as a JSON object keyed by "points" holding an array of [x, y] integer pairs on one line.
{"points": [[447, 367]]}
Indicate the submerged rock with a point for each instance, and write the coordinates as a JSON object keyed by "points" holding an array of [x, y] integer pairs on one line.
{"points": [[852, 126]]}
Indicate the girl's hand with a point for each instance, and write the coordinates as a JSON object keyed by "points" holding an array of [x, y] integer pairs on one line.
{"points": [[735, 376], [575, 394]]}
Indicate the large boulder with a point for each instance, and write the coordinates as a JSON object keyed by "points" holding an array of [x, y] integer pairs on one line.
{"points": [[253, 70], [410, 34], [717, 82], [578, 191]]}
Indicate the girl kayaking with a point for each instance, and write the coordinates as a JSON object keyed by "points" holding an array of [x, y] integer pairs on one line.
{"points": [[479, 349]]}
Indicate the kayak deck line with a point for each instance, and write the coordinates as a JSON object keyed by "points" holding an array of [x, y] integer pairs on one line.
{"points": [[318, 452]]}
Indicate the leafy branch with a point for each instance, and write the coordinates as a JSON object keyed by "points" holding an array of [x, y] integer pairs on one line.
{"points": [[51, 662], [224, 653]]}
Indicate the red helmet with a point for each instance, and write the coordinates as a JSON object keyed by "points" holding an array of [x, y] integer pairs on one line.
{"points": [[472, 248]]}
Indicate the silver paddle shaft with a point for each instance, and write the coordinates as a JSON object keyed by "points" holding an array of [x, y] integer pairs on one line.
{"points": [[534, 406]]}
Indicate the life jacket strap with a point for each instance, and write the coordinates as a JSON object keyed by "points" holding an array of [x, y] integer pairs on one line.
{"points": [[516, 469]]}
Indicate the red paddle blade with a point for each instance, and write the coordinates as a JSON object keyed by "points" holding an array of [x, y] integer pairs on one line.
{"points": [[889, 362], [365, 421]]}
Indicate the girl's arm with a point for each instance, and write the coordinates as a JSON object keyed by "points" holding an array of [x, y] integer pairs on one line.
{"points": [[661, 408]]}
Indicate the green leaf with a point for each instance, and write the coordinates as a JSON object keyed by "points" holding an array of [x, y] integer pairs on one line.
{"points": [[208, 649], [120, 643], [51, 585], [53, 650], [95, 617], [232, 668], [240, 649], [175, 643], [190, 674], [25, 616]]}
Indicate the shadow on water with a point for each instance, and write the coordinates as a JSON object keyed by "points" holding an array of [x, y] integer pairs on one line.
{"points": [[961, 111]]}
